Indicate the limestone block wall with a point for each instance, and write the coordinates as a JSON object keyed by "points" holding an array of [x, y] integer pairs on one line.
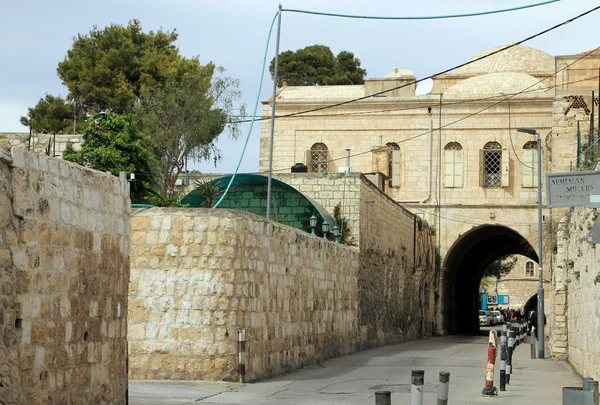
{"points": [[39, 142], [576, 290], [397, 271], [199, 276], [64, 256]]}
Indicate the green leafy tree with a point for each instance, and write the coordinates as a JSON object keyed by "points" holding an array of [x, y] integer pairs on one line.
{"points": [[51, 115], [184, 117], [108, 68], [114, 143], [498, 269], [316, 65]]}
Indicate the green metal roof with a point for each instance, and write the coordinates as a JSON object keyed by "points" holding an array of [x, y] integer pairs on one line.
{"points": [[195, 200]]}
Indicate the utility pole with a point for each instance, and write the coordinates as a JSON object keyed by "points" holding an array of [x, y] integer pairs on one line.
{"points": [[540, 304], [273, 102]]}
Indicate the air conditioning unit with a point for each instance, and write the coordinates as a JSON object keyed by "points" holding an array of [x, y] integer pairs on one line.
{"points": [[344, 169]]}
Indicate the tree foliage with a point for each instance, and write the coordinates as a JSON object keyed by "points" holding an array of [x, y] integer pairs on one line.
{"points": [[114, 143], [183, 118], [108, 68], [316, 65], [51, 115]]}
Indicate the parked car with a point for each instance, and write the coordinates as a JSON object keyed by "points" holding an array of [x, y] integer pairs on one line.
{"points": [[498, 317], [485, 318]]}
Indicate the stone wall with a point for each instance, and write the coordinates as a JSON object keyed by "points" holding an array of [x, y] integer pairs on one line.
{"points": [[576, 291], [200, 275], [39, 143], [64, 255]]}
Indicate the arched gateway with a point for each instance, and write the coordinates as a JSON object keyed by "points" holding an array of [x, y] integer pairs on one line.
{"points": [[464, 265]]}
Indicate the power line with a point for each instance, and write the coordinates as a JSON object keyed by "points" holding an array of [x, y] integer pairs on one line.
{"points": [[469, 101], [444, 71], [463, 118], [434, 17]]}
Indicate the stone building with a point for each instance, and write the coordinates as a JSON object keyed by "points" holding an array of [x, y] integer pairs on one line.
{"points": [[453, 156]]}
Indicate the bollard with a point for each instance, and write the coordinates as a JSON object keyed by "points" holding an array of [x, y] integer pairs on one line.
{"points": [[503, 360], [489, 389], [442, 388], [592, 385], [383, 398], [509, 352], [533, 353], [416, 387], [242, 355]]}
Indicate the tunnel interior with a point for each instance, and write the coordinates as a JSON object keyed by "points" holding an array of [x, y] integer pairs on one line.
{"points": [[464, 266]]}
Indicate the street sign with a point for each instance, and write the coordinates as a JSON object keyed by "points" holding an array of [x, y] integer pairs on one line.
{"points": [[593, 237], [571, 189], [503, 300], [492, 299]]}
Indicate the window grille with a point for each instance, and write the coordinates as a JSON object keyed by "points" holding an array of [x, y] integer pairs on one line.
{"points": [[393, 164], [318, 158], [492, 164], [530, 145], [529, 269]]}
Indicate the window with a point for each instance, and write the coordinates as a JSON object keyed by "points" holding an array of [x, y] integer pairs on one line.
{"points": [[318, 157], [393, 164], [529, 269], [494, 165], [530, 161], [453, 165]]}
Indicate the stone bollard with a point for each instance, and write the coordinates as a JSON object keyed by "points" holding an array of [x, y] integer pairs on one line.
{"points": [[489, 389], [503, 360], [416, 387], [510, 348], [443, 387], [383, 398]]}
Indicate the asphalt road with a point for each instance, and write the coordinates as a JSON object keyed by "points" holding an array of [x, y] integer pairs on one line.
{"points": [[354, 379]]}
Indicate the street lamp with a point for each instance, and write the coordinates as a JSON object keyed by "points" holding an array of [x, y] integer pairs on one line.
{"points": [[325, 228], [336, 233], [313, 224], [540, 305]]}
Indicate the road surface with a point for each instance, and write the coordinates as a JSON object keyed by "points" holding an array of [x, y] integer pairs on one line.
{"points": [[354, 379]]}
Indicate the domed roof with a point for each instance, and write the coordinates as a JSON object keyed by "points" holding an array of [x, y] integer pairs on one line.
{"points": [[400, 72], [515, 59], [493, 84]]}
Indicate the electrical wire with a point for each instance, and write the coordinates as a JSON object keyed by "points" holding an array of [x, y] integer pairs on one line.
{"points": [[460, 119], [257, 101], [434, 17], [420, 107], [512, 45], [375, 94]]}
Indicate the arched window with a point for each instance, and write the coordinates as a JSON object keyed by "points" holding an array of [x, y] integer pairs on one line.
{"points": [[494, 165], [529, 269], [453, 165], [530, 162], [318, 158], [393, 164]]}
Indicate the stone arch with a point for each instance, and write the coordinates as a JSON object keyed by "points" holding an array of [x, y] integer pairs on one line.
{"points": [[463, 268]]}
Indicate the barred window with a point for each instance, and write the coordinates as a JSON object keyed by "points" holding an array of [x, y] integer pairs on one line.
{"points": [[453, 165], [492, 164], [529, 269], [318, 158], [393, 164]]}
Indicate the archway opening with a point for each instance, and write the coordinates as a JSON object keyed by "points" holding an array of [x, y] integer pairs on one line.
{"points": [[464, 266]]}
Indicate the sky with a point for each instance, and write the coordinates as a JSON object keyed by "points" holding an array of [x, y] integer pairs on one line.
{"points": [[36, 34]]}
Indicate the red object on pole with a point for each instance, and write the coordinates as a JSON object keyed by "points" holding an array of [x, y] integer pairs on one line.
{"points": [[489, 389]]}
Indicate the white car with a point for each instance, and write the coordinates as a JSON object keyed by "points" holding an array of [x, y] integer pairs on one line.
{"points": [[485, 318], [498, 317]]}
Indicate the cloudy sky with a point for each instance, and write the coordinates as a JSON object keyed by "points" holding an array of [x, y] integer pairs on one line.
{"points": [[36, 35]]}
